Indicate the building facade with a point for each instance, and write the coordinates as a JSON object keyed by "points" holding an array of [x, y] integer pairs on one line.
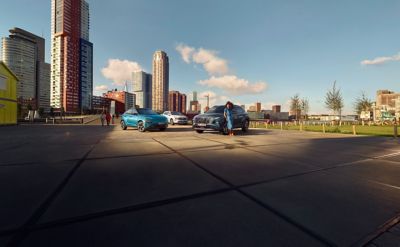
{"points": [[71, 56], [386, 100], [258, 107], [142, 88], [8, 95], [24, 53], [160, 81], [100, 104], [276, 108], [177, 102], [194, 105], [127, 99]]}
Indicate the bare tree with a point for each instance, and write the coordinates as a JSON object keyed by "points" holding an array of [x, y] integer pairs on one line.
{"points": [[334, 100], [305, 107], [363, 103], [295, 105]]}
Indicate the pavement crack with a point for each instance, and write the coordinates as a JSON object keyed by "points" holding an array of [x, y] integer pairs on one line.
{"points": [[24, 230]]}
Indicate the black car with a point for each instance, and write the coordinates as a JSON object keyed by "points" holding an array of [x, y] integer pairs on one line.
{"points": [[214, 119]]}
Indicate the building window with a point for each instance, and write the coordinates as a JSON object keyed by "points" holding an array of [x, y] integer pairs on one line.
{"points": [[3, 83]]}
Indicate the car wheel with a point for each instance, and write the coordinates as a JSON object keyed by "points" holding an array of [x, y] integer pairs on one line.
{"points": [[245, 126], [123, 125], [162, 129], [141, 127], [199, 131], [171, 121]]}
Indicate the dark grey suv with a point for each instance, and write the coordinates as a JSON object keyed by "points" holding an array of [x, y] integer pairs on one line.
{"points": [[214, 119]]}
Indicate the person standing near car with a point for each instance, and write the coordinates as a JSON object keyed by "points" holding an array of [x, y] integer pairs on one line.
{"points": [[108, 118], [102, 118], [229, 117]]}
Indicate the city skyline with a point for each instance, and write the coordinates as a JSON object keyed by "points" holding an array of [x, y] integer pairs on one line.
{"points": [[278, 49]]}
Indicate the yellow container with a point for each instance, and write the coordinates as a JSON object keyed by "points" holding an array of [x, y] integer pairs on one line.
{"points": [[8, 96]]}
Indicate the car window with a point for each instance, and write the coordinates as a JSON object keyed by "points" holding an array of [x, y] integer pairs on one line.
{"points": [[145, 111], [216, 109], [176, 113], [130, 111], [237, 109]]}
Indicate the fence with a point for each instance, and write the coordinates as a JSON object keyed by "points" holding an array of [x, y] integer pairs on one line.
{"points": [[348, 127]]}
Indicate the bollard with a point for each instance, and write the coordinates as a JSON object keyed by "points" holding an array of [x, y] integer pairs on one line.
{"points": [[395, 130], [362, 122], [281, 126], [354, 130], [46, 120], [53, 120], [323, 128], [266, 125], [301, 126], [369, 123]]}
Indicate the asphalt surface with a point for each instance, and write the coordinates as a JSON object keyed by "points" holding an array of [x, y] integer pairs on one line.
{"points": [[87, 185]]}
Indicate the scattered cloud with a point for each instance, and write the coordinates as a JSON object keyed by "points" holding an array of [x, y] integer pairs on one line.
{"points": [[381, 60], [213, 64], [234, 85], [186, 52], [120, 71]]}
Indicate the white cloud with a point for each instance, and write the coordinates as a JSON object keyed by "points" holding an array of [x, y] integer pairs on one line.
{"points": [[99, 90], [234, 85], [120, 71], [186, 52], [381, 60], [213, 64]]}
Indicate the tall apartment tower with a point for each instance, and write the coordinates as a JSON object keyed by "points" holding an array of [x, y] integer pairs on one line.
{"points": [[160, 84], [141, 87], [24, 53], [71, 56]]}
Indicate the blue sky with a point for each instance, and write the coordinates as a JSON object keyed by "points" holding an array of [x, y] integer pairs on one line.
{"points": [[273, 49]]}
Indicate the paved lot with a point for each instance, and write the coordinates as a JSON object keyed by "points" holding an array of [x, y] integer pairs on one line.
{"points": [[101, 186]]}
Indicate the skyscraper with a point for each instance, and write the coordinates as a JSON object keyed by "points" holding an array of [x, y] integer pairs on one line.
{"points": [[71, 56], [24, 53], [141, 87], [160, 84]]}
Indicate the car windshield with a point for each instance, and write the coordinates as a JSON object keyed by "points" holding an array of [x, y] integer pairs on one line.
{"points": [[216, 109], [176, 113], [144, 111]]}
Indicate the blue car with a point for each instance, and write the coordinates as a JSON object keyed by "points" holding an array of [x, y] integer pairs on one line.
{"points": [[143, 119]]}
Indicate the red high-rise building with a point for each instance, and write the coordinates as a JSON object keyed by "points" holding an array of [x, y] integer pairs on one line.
{"points": [[69, 51], [176, 101]]}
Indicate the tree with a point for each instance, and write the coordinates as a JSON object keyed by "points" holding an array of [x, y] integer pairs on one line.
{"points": [[305, 107], [334, 100], [295, 105], [363, 103]]}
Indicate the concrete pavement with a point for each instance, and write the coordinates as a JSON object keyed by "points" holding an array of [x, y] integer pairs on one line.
{"points": [[101, 186]]}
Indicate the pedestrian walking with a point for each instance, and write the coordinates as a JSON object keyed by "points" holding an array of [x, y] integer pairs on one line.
{"points": [[229, 117], [102, 118], [108, 118]]}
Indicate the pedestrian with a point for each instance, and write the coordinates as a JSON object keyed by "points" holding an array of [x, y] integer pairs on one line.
{"points": [[102, 118], [113, 116], [108, 118], [229, 117]]}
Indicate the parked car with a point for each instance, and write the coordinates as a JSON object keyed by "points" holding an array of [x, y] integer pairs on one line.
{"points": [[143, 119], [214, 119], [175, 117]]}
